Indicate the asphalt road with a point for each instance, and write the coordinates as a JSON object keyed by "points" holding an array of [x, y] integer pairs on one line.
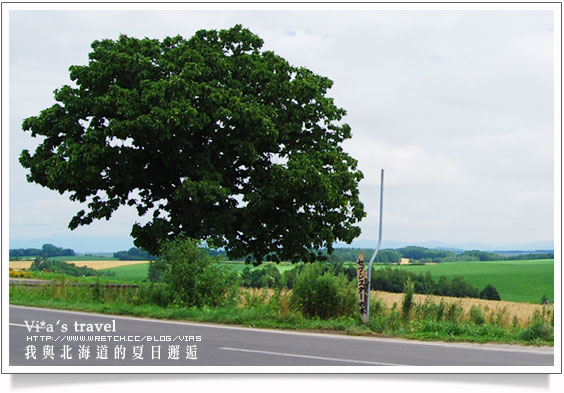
{"points": [[146, 342]]}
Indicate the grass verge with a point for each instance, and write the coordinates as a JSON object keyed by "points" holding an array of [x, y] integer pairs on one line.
{"points": [[260, 309]]}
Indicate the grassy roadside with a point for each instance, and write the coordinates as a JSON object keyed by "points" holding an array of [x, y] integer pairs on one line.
{"points": [[261, 310], [194, 287]]}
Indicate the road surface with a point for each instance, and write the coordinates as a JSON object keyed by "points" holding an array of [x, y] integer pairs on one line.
{"points": [[128, 341]]}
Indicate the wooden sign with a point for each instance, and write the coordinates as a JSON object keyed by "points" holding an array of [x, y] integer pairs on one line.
{"points": [[362, 278]]}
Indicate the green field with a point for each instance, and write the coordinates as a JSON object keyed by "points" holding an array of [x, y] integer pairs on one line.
{"points": [[131, 273], [518, 281]]}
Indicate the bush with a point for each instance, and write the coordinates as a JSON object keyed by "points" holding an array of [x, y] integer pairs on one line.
{"points": [[156, 293], [323, 295], [490, 293], [192, 277], [476, 316], [156, 269], [537, 330], [265, 277], [407, 301], [454, 313]]}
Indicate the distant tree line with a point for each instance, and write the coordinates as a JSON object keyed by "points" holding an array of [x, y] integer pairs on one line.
{"points": [[338, 255], [134, 254], [414, 253], [386, 279], [351, 255], [423, 254], [46, 251], [394, 280]]}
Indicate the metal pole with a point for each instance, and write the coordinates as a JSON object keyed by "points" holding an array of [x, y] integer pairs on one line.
{"points": [[377, 247]]}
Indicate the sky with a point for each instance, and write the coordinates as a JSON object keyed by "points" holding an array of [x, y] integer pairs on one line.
{"points": [[456, 106]]}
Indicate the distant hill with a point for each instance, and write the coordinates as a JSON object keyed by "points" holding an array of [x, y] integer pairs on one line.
{"points": [[533, 247], [455, 250], [423, 254], [521, 252]]}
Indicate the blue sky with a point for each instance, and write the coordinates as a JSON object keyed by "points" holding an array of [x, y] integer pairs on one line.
{"points": [[456, 106]]}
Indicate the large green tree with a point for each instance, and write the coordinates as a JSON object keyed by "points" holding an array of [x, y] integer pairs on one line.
{"points": [[212, 136]]}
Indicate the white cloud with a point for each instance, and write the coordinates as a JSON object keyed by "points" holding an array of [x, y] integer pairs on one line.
{"points": [[456, 106], [404, 165]]}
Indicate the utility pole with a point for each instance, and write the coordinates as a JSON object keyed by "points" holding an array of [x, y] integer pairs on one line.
{"points": [[363, 276]]}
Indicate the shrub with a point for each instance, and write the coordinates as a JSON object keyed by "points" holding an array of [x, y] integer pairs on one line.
{"points": [[323, 295], [156, 269], [156, 293], [289, 276], [393, 320], [476, 316], [501, 318], [454, 312], [407, 301], [441, 310], [265, 277], [192, 277], [426, 310], [377, 306], [97, 290], [490, 293], [273, 276], [538, 329]]}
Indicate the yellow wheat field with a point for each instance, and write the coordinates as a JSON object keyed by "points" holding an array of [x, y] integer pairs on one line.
{"points": [[507, 310], [99, 265], [19, 265], [96, 265], [502, 311]]}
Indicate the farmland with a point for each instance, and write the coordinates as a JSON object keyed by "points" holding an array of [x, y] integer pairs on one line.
{"points": [[429, 317], [133, 272], [93, 264], [505, 311], [138, 270], [518, 281]]}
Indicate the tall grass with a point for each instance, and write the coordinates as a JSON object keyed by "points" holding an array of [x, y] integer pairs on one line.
{"points": [[418, 317]]}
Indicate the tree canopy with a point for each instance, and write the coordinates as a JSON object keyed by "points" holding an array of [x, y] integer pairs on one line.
{"points": [[209, 136], [46, 251]]}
